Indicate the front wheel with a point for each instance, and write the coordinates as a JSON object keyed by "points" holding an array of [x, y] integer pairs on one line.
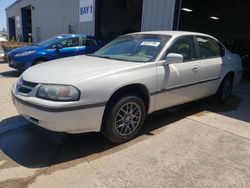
{"points": [[225, 90], [124, 119]]}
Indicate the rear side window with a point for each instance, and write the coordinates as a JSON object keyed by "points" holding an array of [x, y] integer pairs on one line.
{"points": [[70, 42], [209, 48], [88, 42], [185, 47]]}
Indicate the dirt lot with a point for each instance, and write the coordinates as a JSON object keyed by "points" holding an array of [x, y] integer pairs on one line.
{"points": [[195, 145]]}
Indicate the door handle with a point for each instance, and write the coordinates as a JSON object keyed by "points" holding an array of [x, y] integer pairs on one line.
{"points": [[196, 68]]}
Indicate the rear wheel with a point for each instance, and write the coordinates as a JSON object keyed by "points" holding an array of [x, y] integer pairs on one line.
{"points": [[124, 119], [225, 90]]}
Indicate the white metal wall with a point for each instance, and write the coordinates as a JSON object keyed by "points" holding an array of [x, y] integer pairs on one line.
{"points": [[158, 15], [52, 17]]}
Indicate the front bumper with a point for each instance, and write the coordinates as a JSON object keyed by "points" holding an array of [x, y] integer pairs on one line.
{"points": [[79, 119], [18, 63]]}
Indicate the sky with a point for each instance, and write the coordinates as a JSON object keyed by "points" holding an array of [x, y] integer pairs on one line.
{"points": [[4, 4]]}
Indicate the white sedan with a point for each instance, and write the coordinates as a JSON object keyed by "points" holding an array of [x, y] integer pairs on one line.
{"points": [[114, 89]]}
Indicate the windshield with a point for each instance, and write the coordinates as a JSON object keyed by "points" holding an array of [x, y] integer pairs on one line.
{"points": [[50, 41], [136, 48]]}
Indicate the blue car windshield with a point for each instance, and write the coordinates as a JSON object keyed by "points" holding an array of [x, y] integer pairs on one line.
{"points": [[50, 41], [135, 48]]}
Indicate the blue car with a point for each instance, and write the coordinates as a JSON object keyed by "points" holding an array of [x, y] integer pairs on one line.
{"points": [[60, 46]]}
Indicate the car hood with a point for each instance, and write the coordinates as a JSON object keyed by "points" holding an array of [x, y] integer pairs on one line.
{"points": [[27, 48], [75, 69]]}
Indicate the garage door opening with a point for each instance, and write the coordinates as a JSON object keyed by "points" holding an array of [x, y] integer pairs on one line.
{"points": [[27, 24], [117, 17], [226, 20], [12, 28]]}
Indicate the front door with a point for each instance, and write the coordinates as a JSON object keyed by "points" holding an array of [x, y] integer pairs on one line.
{"points": [[177, 83], [88, 45]]}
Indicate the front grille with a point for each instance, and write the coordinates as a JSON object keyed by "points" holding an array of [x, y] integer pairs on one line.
{"points": [[29, 84], [24, 90], [25, 87]]}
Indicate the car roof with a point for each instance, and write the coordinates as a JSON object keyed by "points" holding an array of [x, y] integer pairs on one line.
{"points": [[173, 33], [74, 35]]}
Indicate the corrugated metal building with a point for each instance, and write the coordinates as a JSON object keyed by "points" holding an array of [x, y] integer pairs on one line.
{"points": [[42, 19]]}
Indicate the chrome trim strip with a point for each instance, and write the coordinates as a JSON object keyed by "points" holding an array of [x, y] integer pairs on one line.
{"points": [[179, 87]]}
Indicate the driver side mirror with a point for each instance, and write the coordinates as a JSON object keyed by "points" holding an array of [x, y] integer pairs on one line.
{"points": [[174, 58]]}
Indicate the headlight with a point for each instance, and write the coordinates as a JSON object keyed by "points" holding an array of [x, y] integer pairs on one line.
{"points": [[25, 53], [58, 92]]}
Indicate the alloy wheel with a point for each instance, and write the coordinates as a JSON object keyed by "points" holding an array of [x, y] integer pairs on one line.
{"points": [[128, 119]]}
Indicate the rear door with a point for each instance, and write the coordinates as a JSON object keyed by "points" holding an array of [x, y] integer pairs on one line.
{"points": [[178, 83], [210, 55], [88, 45], [71, 47]]}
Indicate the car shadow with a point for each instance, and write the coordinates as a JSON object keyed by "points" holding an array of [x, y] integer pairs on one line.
{"points": [[12, 73], [34, 147]]}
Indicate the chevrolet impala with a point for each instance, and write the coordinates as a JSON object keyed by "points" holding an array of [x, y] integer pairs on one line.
{"points": [[113, 90]]}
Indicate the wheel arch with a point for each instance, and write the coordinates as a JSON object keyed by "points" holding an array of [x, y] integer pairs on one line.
{"points": [[138, 89], [230, 74]]}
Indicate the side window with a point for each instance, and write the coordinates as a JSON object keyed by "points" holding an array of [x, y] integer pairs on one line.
{"points": [[70, 42], [185, 47], [209, 48], [88, 42], [222, 50]]}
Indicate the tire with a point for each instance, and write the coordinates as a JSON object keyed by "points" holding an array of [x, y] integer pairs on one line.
{"points": [[225, 91], [122, 124]]}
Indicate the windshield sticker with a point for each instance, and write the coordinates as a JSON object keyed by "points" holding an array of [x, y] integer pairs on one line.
{"points": [[150, 43]]}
